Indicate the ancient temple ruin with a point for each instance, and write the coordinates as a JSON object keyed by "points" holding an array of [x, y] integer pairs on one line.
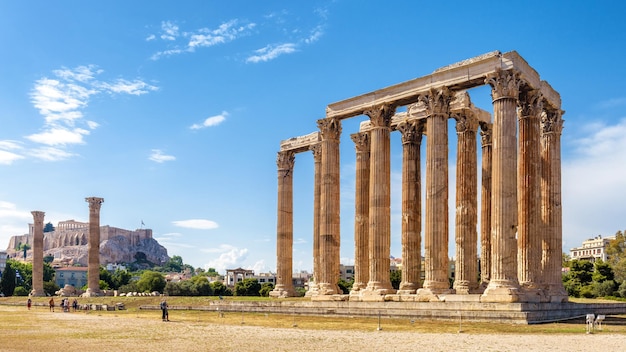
{"points": [[520, 232]]}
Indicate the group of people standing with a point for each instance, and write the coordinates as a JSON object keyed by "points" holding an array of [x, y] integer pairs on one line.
{"points": [[65, 304]]}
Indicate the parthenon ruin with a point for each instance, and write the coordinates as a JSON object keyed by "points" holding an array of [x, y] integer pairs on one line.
{"points": [[520, 212]]}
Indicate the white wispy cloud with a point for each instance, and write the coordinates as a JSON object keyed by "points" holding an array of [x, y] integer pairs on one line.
{"points": [[8, 152], [61, 100], [210, 121], [170, 30], [50, 154], [59, 136], [199, 224], [12, 220], [158, 156], [186, 42], [229, 256], [271, 52]]}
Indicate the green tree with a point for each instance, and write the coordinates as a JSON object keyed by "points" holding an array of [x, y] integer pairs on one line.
{"points": [[396, 278], [602, 272], [616, 253], [48, 228], [25, 271], [120, 278], [345, 286], [266, 288], [50, 288], [247, 287], [151, 281], [219, 289], [175, 264], [201, 285], [48, 259], [7, 283]]}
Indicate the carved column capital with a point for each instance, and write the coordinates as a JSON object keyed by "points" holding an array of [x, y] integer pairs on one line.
{"points": [[436, 101], [412, 131], [361, 141], [330, 128], [485, 133], [552, 121], [317, 152], [380, 115], [38, 215], [465, 122], [285, 161], [94, 203], [530, 103], [504, 84]]}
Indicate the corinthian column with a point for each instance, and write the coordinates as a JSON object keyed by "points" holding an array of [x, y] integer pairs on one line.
{"points": [[330, 129], [284, 239], [361, 211], [411, 205], [38, 254], [528, 202], [485, 206], [317, 161], [437, 104], [552, 212], [503, 286], [466, 271], [93, 260], [380, 200]]}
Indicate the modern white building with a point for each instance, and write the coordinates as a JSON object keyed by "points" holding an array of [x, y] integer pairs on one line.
{"points": [[592, 249]]}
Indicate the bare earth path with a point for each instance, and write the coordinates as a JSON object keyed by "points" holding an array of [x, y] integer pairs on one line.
{"points": [[39, 330]]}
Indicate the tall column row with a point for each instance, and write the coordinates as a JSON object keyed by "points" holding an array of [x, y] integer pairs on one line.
{"points": [[520, 228]]}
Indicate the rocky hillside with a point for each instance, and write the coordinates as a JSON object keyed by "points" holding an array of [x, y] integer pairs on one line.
{"points": [[70, 245]]}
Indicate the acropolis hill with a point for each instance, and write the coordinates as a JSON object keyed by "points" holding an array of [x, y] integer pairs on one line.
{"points": [[68, 244]]}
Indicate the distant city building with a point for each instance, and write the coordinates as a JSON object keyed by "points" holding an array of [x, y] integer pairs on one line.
{"points": [[592, 249], [74, 275], [233, 276], [346, 272], [3, 261]]}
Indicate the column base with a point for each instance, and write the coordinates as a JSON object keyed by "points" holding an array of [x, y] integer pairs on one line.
{"points": [[555, 293], [407, 288], [325, 289], [37, 293], [377, 288], [501, 292], [92, 293], [431, 294], [313, 290], [465, 287], [282, 292]]}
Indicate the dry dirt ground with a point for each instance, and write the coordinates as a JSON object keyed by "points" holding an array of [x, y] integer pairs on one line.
{"points": [[42, 330]]}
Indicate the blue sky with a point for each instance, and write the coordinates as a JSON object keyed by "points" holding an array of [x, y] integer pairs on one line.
{"points": [[173, 111]]}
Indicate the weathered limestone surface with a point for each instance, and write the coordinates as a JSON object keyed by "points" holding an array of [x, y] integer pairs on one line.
{"points": [[37, 282], [485, 206], [93, 268], [379, 201], [284, 242], [361, 212], [316, 148], [412, 132]]}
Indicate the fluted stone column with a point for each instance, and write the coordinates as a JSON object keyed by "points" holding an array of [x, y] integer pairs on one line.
{"points": [[330, 129], [412, 132], [284, 239], [466, 266], [380, 201], [529, 195], [93, 260], [436, 263], [504, 286], [317, 161], [361, 212], [38, 217], [552, 211], [485, 207]]}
